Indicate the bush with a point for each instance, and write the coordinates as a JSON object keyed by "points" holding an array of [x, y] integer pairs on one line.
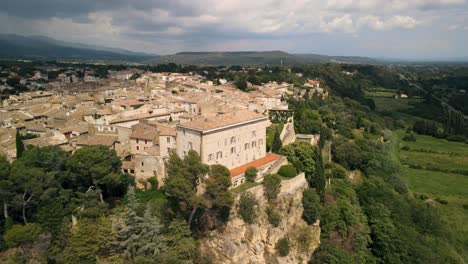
{"points": [[409, 137], [247, 208], [287, 171], [282, 247], [339, 172], [456, 138], [274, 218], [405, 148], [441, 201], [251, 174], [271, 185], [154, 183]]}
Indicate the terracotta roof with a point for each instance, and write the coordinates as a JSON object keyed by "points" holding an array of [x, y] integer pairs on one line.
{"points": [[269, 158], [222, 120], [88, 140]]}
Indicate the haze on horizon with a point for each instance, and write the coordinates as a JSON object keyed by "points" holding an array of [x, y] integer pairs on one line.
{"points": [[412, 29]]}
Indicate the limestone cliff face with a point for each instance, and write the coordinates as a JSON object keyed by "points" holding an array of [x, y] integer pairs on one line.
{"points": [[255, 243]]}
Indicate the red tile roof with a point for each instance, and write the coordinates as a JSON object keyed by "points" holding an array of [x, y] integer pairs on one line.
{"points": [[269, 158]]}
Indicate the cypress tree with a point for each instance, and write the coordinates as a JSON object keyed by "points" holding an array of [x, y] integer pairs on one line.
{"points": [[19, 145], [277, 144]]}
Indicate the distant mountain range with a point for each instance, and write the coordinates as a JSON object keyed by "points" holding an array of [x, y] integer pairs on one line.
{"points": [[44, 48], [255, 58]]}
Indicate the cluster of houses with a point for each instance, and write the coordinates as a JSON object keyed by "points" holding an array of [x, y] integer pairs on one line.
{"points": [[144, 120]]}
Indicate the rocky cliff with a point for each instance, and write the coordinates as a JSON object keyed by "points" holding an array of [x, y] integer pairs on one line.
{"points": [[255, 243]]}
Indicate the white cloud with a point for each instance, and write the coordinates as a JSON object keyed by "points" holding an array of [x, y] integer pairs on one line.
{"points": [[343, 23], [395, 22]]}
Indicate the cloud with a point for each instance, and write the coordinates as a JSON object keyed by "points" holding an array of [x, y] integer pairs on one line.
{"points": [[395, 22], [164, 26]]}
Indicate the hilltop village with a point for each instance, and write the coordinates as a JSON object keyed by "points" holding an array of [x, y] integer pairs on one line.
{"points": [[144, 116]]}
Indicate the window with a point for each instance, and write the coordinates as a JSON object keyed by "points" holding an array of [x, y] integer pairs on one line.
{"points": [[210, 157], [146, 141], [138, 147], [142, 164], [184, 132], [254, 144], [168, 140], [233, 140], [246, 146], [219, 155], [254, 133], [233, 150], [137, 141], [189, 145]]}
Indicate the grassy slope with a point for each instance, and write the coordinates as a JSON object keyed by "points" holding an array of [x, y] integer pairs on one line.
{"points": [[450, 187]]}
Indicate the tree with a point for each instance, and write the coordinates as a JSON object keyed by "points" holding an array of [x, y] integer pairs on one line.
{"points": [[311, 204], [287, 171], [248, 207], [277, 144], [251, 174], [307, 121], [22, 235], [140, 237], [348, 154], [182, 181], [303, 157], [30, 183], [271, 185], [181, 246], [96, 167], [6, 186], [217, 190], [19, 145]]}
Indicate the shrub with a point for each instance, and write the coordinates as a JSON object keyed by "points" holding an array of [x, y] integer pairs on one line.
{"points": [[441, 201], [339, 172], [405, 148], [409, 137], [456, 138], [154, 183], [247, 208], [274, 218], [287, 171], [282, 247], [251, 174], [271, 185]]}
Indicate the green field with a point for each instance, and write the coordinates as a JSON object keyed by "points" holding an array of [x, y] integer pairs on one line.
{"points": [[438, 185], [435, 144], [391, 104], [444, 162]]}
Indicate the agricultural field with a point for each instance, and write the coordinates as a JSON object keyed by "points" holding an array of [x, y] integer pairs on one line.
{"points": [[437, 173], [436, 145], [390, 104]]}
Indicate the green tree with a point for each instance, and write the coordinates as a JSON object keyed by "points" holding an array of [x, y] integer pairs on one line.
{"points": [[277, 144], [19, 145], [217, 190], [272, 185], [248, 207], [20, 235], [311, 204], [30, 183], [6, 186], [140, 237], [303, 157], [181, 184], [96, 167], [251, 174], [181, 246], [307, 121]]}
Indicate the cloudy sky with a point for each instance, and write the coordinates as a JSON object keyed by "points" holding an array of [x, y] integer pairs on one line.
{"points": [[379, 28]]}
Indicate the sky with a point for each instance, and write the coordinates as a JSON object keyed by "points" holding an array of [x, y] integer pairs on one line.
{"points": [[411, 29]]}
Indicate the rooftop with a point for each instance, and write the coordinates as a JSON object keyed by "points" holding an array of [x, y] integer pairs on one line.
{"points": [[222, 120], [269, 158]]}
